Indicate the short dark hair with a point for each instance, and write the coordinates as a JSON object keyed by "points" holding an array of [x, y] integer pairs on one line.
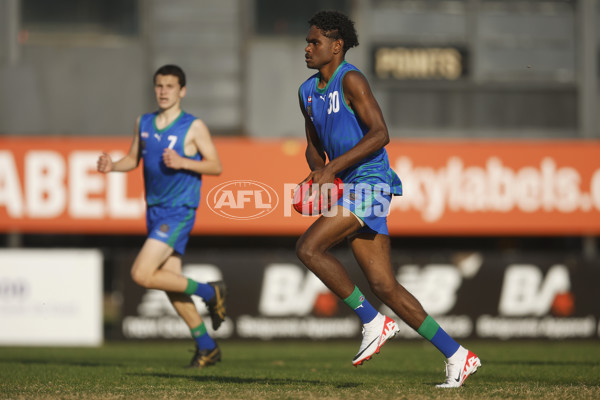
{"points": [[171, 69], [336, 25]]}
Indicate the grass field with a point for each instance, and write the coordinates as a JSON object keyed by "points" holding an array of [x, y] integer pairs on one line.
{"points": [[298, 370]]}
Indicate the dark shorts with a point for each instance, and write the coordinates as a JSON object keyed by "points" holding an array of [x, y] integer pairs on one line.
{"points": [[371, 204], [171, 225]]}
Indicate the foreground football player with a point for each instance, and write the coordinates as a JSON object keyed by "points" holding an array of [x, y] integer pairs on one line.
{"points": [[177, 150], [346, 135]]}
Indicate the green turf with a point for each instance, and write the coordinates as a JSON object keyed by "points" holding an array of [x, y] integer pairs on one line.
{"points": [[298, 370]]}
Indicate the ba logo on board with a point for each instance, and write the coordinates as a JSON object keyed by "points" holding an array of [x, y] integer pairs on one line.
{"points": [[242, 199]]}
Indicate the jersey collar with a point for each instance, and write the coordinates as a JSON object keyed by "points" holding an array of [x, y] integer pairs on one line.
{"points": [[331, 80]]}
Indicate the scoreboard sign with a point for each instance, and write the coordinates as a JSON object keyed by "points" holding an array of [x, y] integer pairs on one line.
{"points": [[420, 63]]}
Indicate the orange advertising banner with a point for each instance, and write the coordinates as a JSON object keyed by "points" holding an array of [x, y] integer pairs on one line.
{"points": [[50, 185]]}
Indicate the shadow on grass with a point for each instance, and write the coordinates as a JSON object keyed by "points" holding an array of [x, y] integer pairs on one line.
{"points": [[542, 363], [46, 362], [241, 380]]}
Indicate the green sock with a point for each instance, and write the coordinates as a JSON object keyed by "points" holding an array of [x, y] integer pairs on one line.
{"points": [[191, 287], [432, 331], [361, 306], [428, 328], [203, 340], [198, 331]]}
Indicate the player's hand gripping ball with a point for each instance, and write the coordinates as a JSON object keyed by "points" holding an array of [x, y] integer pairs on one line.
{"points": [[305, 197]]}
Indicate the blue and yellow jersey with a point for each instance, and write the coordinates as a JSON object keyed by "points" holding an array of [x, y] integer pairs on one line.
{"points": [[339, 129], [164, 186]]}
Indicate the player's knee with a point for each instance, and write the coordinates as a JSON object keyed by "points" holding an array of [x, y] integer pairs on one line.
{"points": [[302, 251], [305, 251], [140, 278]]}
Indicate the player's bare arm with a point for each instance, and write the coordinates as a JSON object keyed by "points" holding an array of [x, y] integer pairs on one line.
{"points": [[127, 163], [358, 96], [198, 140], [315, 154]]}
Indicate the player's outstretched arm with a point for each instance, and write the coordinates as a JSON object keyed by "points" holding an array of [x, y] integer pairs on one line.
{"points": [[130, 161]]}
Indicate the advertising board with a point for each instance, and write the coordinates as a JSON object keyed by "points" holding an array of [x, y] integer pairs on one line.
{"points": [[484, 295], [51, 297], [450, 188]]}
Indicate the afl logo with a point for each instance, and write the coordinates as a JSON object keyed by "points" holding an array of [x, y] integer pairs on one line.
{"points": [[242, 199]]}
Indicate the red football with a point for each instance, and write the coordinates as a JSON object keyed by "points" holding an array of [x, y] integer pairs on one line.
{"points": [[306, 202]]}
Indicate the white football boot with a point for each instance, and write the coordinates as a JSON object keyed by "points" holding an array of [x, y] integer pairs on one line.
{"points": [[459, 367], [375, 334]]}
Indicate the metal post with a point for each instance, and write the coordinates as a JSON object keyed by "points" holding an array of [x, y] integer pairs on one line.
{"points": [[472, 40], [12, 21], [587, 59], [587, 81], [590, 248]]}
